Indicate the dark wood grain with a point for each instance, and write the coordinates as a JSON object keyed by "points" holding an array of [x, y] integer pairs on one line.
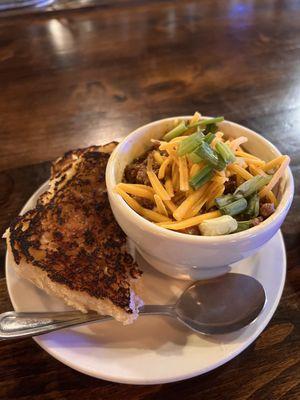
{"points": [[71, 78]]}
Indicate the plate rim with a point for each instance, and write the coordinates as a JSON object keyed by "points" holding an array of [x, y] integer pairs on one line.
{"points": [[176, 378]]}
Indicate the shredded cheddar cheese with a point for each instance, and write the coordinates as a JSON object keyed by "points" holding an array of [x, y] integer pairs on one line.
{"points": [[176, 226]]}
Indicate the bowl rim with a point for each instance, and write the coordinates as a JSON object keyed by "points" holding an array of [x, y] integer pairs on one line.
{"points": [[135, 218]]}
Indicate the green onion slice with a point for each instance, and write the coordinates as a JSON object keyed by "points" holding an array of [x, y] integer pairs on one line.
{"points": [[235, 208], [201, 177], [253, 185], [189, 144], [206, 122], [243, 225], [253, 206], [209, 137], [177, 131], [225, 152], [226, 199]]}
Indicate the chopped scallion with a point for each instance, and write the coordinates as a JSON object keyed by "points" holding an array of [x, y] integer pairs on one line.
{"points": [[235, 208], [206, 122], [177, 131], [253, 206], [201, 177], [221, 164], [225, 152], [225, 199], [208, 154], [195, 158], [253, 185], [209, 137], [210, 121], [243, 225], [190, 143]]}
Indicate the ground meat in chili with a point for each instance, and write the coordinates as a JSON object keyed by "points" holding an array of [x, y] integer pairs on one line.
{"points": [[146, 203], [136, 172], [230, 185], [257, 221], [266, 209]]}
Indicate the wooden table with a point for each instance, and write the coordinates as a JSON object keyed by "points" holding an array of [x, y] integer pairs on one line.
{"points": [[70, 78]]}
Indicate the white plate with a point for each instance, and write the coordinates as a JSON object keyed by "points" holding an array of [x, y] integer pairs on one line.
{"points": [[154, 349]]}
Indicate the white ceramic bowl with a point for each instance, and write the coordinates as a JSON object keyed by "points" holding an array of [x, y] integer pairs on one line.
{"points": [[181, 255]]}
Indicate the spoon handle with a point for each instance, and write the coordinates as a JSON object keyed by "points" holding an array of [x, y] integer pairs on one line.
{"points": [[14, 325], [158, 309]]}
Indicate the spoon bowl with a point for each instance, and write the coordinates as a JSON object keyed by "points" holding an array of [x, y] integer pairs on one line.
{"points": [[221, 305]]}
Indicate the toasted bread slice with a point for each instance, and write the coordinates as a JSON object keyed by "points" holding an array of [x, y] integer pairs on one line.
{"points": [[70, 244]]}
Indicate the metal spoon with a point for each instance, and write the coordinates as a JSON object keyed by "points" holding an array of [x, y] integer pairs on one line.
{"points": [[214, 306]]}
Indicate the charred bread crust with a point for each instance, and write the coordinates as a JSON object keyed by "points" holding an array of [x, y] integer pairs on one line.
{"points": [[74, 237]]}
